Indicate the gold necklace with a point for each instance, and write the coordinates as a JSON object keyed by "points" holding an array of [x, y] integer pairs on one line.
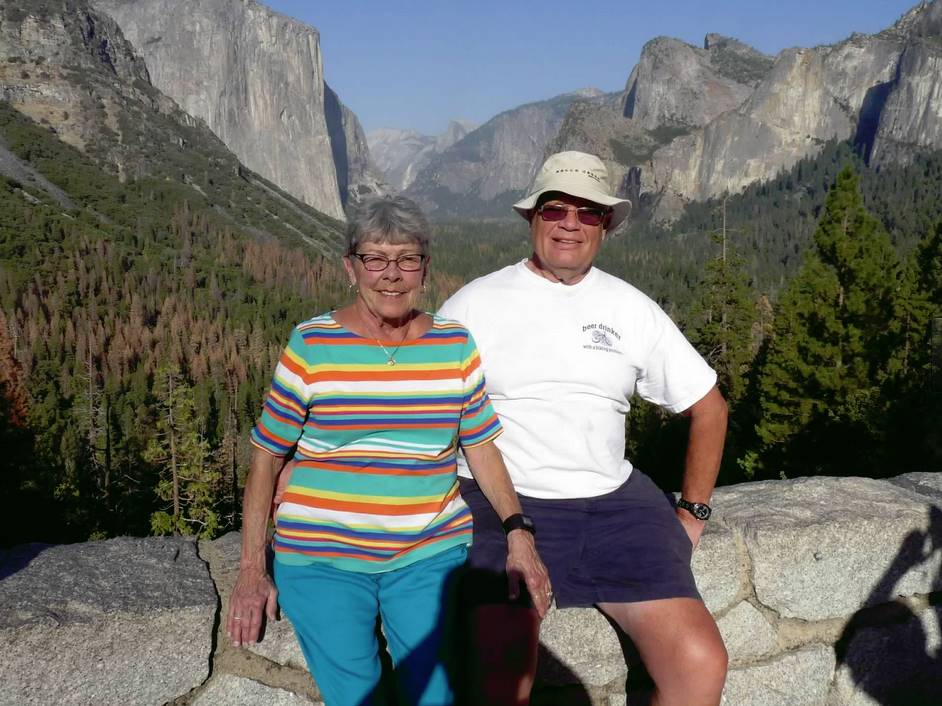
{"points": [[391, 357]]}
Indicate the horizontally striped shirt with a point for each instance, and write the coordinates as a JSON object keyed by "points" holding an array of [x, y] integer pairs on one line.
{"points": [[375, 485]]}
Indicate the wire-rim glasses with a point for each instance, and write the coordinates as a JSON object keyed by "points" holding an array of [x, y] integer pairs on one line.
{"points": [[410, 262]]}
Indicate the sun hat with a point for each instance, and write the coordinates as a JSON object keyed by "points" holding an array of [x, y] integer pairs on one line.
{"points": [[576, 174]]}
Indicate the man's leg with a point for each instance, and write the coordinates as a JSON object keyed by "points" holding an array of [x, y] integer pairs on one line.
{"points": [[502, 636], [503, 652], [680, 646]]}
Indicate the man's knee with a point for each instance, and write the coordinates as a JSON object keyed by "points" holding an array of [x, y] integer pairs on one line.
{"points": [[703, 656]]}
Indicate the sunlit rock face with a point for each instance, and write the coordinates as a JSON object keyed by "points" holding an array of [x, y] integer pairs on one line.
{"points": [[676, 84], [256, 78], [911, 117], [883, 91]]}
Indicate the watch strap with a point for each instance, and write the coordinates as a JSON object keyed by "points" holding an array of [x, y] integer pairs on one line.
{"points": [[518, 521], [701, 511]]}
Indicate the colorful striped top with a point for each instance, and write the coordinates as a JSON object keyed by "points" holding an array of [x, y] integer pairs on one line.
{"points": [[375, 485]]}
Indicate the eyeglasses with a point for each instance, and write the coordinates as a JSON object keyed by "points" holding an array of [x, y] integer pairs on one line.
{"points": [[411, 262], [587, 215]]}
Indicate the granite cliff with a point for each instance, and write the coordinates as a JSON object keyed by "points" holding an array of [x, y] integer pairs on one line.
{"points": [[694, 123], [69, 68], [256, 78], [401, 154], [489, 168]]}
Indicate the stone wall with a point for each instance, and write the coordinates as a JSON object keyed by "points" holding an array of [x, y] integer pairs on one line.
{"points": [[828, 592]]}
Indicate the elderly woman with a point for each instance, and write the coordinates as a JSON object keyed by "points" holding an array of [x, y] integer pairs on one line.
{"points": [[375, 398]]}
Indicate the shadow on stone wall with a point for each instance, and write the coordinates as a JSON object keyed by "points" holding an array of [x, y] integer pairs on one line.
{"points": [[887, 647], [392, 691], [18, 558]]}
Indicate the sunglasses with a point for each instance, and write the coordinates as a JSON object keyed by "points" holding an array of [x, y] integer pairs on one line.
{"points": [[587, 215]]}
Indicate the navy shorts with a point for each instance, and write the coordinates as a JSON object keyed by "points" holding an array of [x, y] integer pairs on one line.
{"points": [[621, 547]]}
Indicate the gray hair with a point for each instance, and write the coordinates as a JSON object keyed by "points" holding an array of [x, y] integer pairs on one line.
{"points": [[388, 219]]}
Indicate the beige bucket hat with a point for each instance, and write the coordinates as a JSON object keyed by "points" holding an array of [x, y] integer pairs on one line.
{"points": [[577, 174]]}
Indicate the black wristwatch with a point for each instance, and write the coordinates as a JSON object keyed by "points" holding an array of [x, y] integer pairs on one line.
{"points": [[519, 521], [701, 511]]}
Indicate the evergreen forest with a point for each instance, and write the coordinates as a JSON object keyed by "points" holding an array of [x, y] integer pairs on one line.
{"points": [[139, 327]]}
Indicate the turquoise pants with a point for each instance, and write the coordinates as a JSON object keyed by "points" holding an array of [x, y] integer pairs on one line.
{"points": [[334, 615]]}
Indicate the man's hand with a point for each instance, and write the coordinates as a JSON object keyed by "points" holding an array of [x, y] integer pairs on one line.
{"points": [[524, 563], [692, 526], [281, 484], [254, 593]]}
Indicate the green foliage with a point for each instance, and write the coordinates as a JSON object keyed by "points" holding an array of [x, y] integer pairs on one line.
{"points": [[835, 334], [741, 67], [189, 480], [723, 318], [97, 299]]}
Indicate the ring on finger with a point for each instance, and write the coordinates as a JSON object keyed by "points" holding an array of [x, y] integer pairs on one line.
{"points": [[237, 617]]}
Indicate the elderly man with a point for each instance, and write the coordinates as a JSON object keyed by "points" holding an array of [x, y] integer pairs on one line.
{"points": [[564, 347]]}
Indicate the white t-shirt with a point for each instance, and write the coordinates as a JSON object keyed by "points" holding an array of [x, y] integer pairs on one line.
{"points": [[561, 362]]}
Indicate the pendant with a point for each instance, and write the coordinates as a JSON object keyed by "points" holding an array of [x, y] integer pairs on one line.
{"points": [[391, 362]]}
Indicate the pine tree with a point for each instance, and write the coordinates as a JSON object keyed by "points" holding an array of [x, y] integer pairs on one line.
{"points": [[724, 323], [917, 388], [723, 316], [179, 446], [834, 336]]}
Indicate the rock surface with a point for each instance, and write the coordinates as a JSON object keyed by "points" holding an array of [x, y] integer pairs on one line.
{"points": [[678, 85], [825, 530], [800, 678], [747, 633], [131, 620], [489, 168], [230, 689], [256, 78], [582, 649], [885, 664], [114, 622], [69, 68], [401, 154]]}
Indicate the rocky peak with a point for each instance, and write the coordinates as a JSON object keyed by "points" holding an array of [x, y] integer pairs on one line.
{"points": [[923, 20], [681, 86], [737, 60], [587, 92], [456, 130], [70, 68], [256, 78], [401, 154], [483, 173]]}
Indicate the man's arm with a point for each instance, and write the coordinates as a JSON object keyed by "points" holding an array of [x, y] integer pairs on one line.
{"points": [[704, 453]]}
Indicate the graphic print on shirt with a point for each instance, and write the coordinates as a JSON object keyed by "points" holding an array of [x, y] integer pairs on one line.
{"points": [[601, 337]]}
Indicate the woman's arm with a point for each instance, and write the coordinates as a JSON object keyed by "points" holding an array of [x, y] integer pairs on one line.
{"points": [[523, 562], [254, 590]]}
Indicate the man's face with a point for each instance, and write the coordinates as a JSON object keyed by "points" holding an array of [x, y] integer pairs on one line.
{"points": [[566, 248]]}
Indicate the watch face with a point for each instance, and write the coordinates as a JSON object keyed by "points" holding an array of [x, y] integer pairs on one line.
{"points": [[700, 511]]}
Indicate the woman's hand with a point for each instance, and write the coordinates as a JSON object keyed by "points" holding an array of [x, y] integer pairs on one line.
{"points": [[254, 593], [524, 563]]}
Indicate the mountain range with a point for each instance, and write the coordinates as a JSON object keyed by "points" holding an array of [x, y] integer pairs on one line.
{"points": [[691, 122]]}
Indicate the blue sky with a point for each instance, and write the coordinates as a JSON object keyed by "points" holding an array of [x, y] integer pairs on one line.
{"points": [[417, 64]]}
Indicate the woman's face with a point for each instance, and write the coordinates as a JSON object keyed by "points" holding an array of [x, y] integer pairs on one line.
{"points": [[392, 293]]}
